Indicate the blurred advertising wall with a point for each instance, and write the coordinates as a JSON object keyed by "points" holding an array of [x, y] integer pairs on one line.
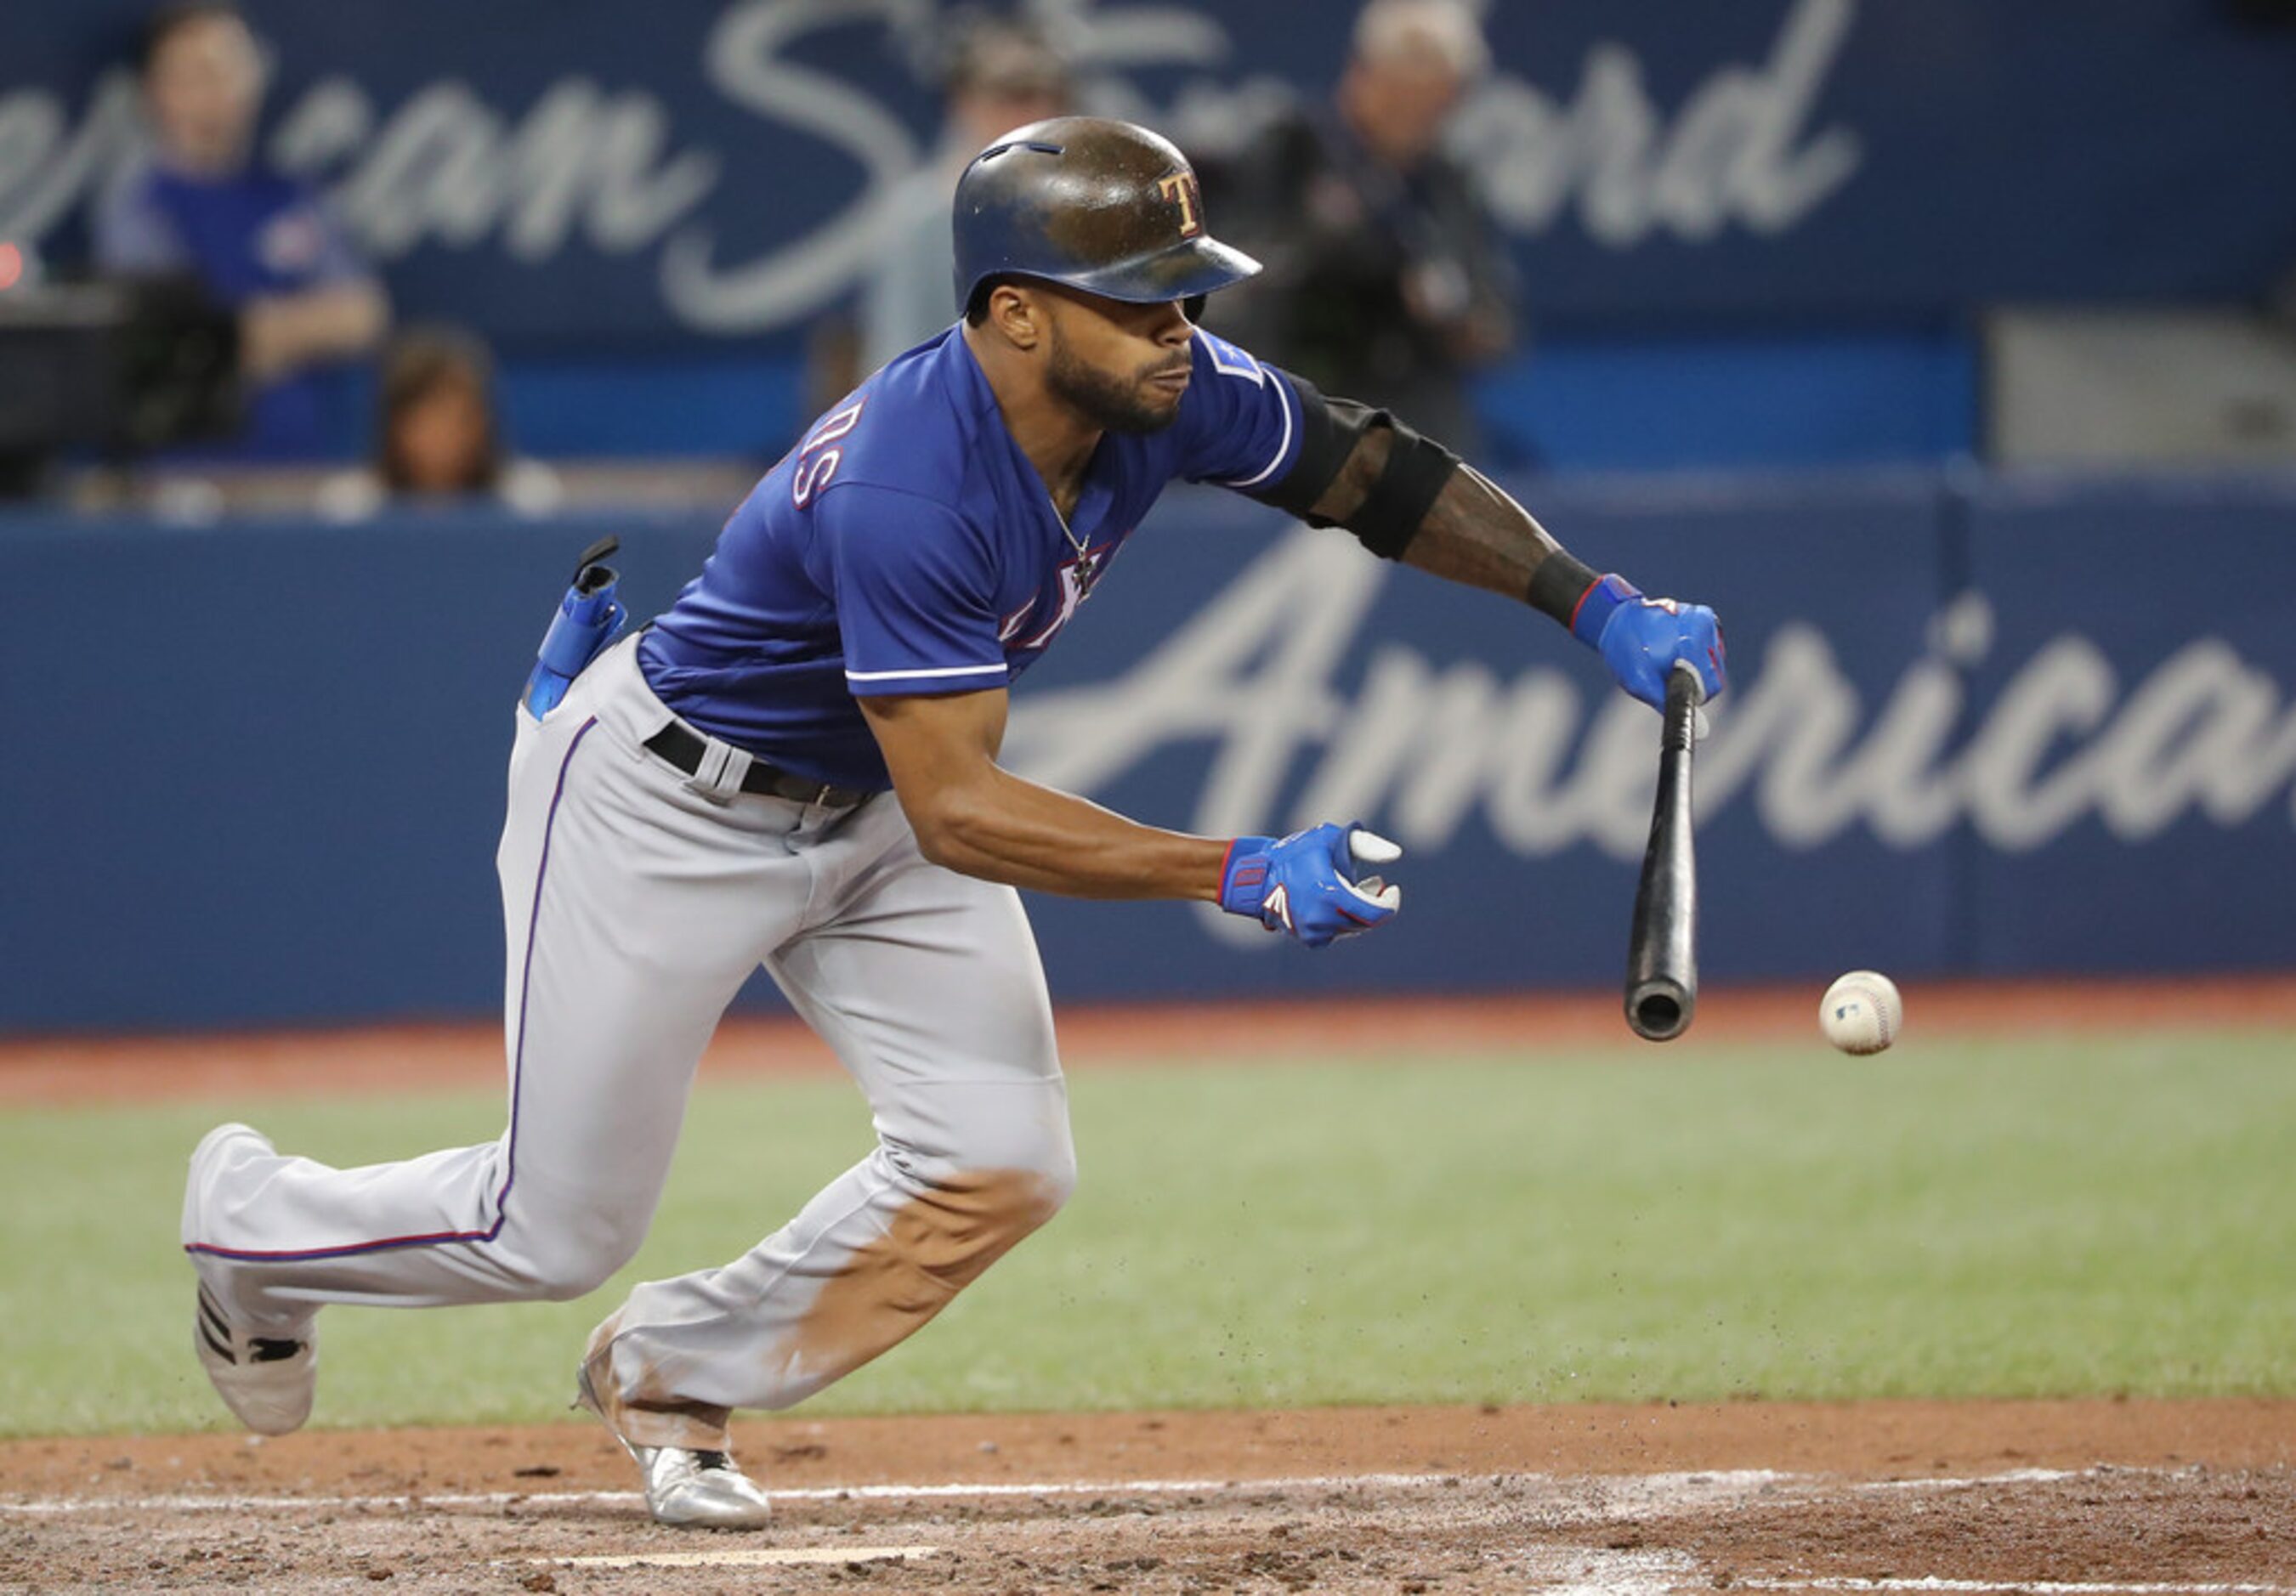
{"points": [[604, 175], [255, 770]]}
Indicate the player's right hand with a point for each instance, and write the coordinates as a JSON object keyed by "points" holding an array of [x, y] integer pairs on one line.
{"points": [[1308, 884]]}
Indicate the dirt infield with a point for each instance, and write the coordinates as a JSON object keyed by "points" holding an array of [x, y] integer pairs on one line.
{"points": [[2137, 1498], [2097, 1498]]}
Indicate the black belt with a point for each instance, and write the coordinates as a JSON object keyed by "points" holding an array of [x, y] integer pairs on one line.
{"points": [[681, 747]]}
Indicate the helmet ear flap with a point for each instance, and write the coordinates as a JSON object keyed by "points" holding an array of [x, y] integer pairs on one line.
{"points": [[1192, 307]]}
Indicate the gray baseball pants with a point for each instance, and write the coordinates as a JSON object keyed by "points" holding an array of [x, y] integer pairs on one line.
{"points": [[636, 901]]}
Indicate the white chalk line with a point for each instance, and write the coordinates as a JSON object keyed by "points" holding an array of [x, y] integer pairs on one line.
{"points": [[497, 1498], [2008, 1477], [761, 1556]]}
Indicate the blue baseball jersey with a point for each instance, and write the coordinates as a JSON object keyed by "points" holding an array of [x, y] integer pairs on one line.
{"points": [[906, 546]]}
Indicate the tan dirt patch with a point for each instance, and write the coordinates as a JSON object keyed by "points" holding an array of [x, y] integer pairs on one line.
{"points": [[1621, 1500]]}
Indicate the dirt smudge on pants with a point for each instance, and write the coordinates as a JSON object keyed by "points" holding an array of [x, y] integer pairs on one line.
{"points": [[936, 1244], [647, 1419]]}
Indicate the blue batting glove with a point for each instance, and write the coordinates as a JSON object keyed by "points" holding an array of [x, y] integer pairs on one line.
{"points": [[1306, 884], [1641, 639]]}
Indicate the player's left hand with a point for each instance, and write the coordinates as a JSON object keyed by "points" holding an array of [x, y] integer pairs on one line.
{"points": [[1642, 639], [1308, 884]]}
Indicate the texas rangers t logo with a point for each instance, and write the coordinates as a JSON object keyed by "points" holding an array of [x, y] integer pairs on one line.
{"points": [[1077, 576], [1180, 188]]}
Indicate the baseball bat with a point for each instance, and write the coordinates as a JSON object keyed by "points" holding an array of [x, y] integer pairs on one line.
{"points": [[1661, 990]]}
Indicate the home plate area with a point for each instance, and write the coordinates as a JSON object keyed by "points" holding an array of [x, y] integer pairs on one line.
{"points": [[1844, 1509]]}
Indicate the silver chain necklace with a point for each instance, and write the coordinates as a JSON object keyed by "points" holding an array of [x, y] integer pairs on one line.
{"points": [[1087, 567]]}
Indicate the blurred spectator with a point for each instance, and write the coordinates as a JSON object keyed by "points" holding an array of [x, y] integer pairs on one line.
{"points": [[437, 436], [260, 243], [998, 74], [1384, 282]]}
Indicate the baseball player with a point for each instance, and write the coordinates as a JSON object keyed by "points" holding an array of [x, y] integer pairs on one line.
{"points": [[797, 766]]}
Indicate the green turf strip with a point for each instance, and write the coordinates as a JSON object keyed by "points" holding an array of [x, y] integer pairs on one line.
{"points": [[1697, 1223]]}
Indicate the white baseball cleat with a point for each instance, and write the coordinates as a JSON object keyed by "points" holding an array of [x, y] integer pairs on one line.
{"points": [[686, 1487], [267, 1381], [703, 1490]]}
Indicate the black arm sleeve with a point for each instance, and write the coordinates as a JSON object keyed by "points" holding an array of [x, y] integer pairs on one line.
{"points": [[1394, 505]]}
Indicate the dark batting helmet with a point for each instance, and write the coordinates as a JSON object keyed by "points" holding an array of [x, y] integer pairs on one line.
{"points": [[1098, 205]]}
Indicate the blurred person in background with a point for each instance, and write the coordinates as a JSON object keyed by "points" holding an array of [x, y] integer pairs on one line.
{"points": [[1384, 280], [260, 243], [438, 434], [998, 74]]}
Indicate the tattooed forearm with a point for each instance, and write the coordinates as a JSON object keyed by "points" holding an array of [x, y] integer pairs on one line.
{"points": [[1476, 535], [1473, 533]]}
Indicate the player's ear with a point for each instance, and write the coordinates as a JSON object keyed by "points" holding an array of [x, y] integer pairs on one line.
{"points": [[1021, 315]]}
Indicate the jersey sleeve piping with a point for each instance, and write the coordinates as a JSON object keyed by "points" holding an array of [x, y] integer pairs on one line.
{"points": [[928, 673]]}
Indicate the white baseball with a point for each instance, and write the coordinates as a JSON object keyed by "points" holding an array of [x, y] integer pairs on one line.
{"points": [[1862, 1013]]}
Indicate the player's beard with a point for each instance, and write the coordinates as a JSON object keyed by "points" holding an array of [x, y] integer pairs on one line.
{"points": [[1112, 404]]}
